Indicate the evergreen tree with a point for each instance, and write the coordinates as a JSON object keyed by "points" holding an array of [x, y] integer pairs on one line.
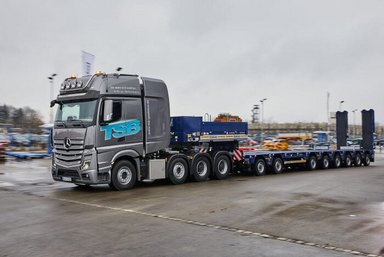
{"points": [[4, 114]]}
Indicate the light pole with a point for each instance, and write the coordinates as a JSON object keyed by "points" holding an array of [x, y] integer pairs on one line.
{"points": [[262, 119], [354, 121], [341, 105], [51, 78]]}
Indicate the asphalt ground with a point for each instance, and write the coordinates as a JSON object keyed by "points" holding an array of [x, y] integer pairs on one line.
{"points": [[335, 212]]}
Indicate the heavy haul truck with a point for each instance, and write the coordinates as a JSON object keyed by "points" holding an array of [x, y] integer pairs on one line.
{"points": [[116, 129]]}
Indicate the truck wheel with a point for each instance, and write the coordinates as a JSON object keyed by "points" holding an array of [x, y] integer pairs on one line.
{"points": [[260, 167], [123, 175], [325, 162], [357, 160], [337, 161], [367, 160], [222, 166], [312, 163], [348, 161], [278, 166], [178, 170], [201, 168]]}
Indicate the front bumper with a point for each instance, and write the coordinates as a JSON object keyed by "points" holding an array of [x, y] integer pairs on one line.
{"points": [[85, 173]]}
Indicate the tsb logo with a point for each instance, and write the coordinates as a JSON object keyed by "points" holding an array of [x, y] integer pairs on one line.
{"points": [[121, 129]]}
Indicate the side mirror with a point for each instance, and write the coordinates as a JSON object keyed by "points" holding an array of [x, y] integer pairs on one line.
{"points": [[53, 102], [108, 111]]}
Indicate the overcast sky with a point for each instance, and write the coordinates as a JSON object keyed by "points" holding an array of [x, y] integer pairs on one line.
{"points": [[215, 56]]}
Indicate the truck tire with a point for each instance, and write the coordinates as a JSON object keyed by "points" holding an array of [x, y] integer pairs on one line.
{"points": [[278, 165], [201, 168], [222, 166], [367, 160], [260, 168], [312, 163], [337, 161], [348, 161], [123, 175], [357, 161], [178, 170], [325, 162]]}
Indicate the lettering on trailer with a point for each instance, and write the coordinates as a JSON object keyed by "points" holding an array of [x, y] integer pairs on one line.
{"points": [[121, 129]]}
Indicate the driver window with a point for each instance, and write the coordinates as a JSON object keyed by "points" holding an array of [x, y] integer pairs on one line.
{"points": [[116, 111]]}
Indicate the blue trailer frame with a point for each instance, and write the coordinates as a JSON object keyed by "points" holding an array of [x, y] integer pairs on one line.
{"points": [[258, 162]]}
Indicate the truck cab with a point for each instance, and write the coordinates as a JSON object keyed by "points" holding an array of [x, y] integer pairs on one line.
{"points": [[104, 119]]}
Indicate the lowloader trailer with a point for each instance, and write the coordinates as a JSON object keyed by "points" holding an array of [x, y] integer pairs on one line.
{"points": [[259, 162], [116, 129]]}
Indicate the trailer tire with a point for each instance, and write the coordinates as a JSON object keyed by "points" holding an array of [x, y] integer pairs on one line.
{"points": [[337, 161], [222, 166], [367, 160], [123, 175], [357, 160], [260, 167], [201, 168], [278, 165], [312, 163], [178, 170], [348, 161], [325, 162]]}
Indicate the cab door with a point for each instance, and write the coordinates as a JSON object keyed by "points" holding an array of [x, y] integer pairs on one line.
{"points": [[120, 129]]}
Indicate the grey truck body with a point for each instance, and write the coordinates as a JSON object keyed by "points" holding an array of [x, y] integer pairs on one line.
{"points": [[85, 147]]}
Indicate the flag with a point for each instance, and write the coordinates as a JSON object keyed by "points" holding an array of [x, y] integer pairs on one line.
{"points": [[87, 61]]}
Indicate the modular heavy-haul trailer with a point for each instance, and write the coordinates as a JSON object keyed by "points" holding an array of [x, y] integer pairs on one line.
{"points": [[258, 162], [116, 129]]}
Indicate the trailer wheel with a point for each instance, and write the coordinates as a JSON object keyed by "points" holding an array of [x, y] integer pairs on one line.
{"points": [[357, 160], [178, 170], [367, 160], [278, 166], [260, 167], [201, 168], [348, 161], [222, 167], [123, 175], [337, 161], [325, 162], [312, 163]]}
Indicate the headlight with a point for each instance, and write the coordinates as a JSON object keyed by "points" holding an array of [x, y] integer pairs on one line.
{"points": [[86, 165]]}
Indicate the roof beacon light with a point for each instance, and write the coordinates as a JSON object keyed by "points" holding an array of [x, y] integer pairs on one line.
{"points": [[73, 76], [98, 73]]}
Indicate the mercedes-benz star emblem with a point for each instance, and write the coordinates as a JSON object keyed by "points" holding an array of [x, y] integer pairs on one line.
{"points": [[67, 143]]}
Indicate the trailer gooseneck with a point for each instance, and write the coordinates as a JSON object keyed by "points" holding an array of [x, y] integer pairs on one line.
{"points": [[116, 129]]}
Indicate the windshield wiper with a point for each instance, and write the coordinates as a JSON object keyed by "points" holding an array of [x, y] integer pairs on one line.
{"points": [[80, 122], [61, 123]]}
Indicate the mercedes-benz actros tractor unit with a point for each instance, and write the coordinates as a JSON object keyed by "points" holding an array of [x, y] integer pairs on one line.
{"points": [[116, 129]]}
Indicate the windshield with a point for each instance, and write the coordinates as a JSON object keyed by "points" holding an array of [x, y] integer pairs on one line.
{"points": [[83, 111]]}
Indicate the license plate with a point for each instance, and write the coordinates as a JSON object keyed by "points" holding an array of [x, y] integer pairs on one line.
{"points": [[66, 179]]}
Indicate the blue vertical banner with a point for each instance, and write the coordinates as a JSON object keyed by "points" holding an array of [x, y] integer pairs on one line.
{"points": [[87, 60]]}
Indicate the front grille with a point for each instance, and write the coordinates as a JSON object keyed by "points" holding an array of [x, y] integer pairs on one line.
{"points": [[71, 156], [68, 173]]}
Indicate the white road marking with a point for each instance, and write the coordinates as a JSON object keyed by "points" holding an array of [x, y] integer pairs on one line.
{"points": [[235, 230]]}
